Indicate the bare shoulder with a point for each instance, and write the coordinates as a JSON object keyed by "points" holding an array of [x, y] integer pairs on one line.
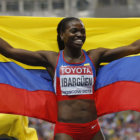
{"points": [[96, 54], [50, 56], [98, 51], [43, 52]]}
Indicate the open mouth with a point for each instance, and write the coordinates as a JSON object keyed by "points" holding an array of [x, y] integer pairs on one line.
{"points": [[78, 42]]}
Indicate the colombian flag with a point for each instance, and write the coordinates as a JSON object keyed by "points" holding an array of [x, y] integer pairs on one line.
{"points": [[28, 90]]}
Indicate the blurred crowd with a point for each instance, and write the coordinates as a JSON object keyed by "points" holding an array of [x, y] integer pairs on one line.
{"points": [[45, 130], [118, 126], [121, 126]]}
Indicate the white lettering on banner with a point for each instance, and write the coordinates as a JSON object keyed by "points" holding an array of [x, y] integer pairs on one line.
{"points": [[76, 80], [74, 70]]}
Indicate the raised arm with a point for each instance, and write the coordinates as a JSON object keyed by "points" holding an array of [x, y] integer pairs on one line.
{"points": [[109, 55], [37, 58]]}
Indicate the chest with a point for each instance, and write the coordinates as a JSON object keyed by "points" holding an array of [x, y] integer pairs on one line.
{"points": [[74, 79]]}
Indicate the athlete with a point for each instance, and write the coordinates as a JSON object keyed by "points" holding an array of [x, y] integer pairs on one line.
{"points": [[74, 72]]}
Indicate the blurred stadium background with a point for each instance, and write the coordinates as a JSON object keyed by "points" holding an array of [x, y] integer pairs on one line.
{"points": [[79, 8], [118, 126]]}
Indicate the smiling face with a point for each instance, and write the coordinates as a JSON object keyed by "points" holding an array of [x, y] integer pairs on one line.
{"points": [[74, 35]]}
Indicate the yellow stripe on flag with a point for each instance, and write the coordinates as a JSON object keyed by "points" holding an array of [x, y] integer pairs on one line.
{"points": [[39, 33], [16, 126]]}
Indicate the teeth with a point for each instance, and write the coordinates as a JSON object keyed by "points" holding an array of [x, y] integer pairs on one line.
{"points": [[78, 40]]}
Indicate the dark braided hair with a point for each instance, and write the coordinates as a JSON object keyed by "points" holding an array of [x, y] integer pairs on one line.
{"points": [[61, 28]]}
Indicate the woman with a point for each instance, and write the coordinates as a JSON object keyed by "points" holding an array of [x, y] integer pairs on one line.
{"points": [[74, 74]]}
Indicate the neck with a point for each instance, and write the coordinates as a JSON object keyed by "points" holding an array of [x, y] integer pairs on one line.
{"points": [[76, 53]]}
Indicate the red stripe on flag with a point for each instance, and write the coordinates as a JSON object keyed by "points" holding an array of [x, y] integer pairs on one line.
{"points": [[119, 96], [39, 104]]}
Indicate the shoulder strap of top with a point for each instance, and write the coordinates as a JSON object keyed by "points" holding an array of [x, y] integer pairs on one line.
{"points": [[60, 59], [90, 61]]}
